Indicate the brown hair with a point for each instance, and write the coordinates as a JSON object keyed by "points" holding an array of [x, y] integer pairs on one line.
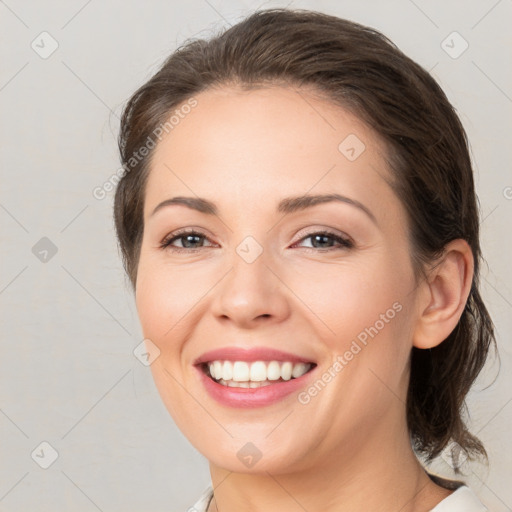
{"points": [[361, 70]]}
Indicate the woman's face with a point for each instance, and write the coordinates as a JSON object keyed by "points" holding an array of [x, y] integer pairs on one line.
{"points": [[271, 283]]}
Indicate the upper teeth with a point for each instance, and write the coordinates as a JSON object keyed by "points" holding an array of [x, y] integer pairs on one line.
{"points": [[258, 371]]}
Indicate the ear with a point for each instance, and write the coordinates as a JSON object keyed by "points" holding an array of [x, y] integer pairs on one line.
{"points": [[444, 296]]}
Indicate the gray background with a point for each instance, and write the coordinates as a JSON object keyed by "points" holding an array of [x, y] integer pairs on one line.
{"points": [[69, 324]]}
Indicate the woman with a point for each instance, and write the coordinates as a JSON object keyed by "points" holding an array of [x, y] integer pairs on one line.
{"points": [[299, 223]]}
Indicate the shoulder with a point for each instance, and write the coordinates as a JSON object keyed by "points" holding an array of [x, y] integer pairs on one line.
{"points": [[201, 505], [463, 499]]}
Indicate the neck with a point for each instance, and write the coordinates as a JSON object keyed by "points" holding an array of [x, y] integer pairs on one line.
{"points": [[378, 473]]}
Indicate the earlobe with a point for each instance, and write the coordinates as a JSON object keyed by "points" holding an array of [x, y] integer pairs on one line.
{"points": [[445, 294]]}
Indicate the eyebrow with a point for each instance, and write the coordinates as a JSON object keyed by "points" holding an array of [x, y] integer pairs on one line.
{"points": [[286, 205]]}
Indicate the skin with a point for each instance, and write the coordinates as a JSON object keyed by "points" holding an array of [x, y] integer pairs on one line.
{"points": [[348, 449]]}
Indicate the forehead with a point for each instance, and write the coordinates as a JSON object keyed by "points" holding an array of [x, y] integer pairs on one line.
{"points": [[251, 145]]}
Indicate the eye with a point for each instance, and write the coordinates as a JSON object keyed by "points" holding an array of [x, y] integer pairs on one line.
{"points": [[328, 241], [188, 238], [191, 241]]}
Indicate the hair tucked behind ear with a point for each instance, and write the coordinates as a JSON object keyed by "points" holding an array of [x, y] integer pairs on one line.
{"points": [[360, 69]]}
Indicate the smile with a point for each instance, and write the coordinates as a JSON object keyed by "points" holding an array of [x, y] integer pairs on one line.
{"points": [[243, 377]]}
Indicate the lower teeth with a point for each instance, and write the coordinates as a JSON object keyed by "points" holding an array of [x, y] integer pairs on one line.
{"points": [[246, 384]]}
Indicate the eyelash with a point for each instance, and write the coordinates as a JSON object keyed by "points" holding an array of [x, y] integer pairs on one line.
{"points": [[344, 243]]}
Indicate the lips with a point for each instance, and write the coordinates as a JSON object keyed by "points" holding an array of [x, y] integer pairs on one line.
{"points": [[240, 377]]}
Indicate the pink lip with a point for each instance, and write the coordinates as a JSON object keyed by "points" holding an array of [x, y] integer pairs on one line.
{"points": [[252, 397], [249, 355]]}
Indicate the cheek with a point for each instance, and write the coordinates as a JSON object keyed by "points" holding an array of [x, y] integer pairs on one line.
{"points": [[349, 298], [369, 318], [164, 297], [153, 304]]}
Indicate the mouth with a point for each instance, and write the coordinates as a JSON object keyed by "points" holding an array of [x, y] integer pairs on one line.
{"points": [[241, 377], [254, 374]]}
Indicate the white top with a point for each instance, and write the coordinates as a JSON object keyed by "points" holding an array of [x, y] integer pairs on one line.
{"points": [[462, 499]]}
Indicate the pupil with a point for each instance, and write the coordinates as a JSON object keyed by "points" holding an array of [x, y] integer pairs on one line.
{"points": [[324, 237], [189, 237]]}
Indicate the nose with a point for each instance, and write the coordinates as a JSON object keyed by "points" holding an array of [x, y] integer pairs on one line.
{"points": [[251, 294]]}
